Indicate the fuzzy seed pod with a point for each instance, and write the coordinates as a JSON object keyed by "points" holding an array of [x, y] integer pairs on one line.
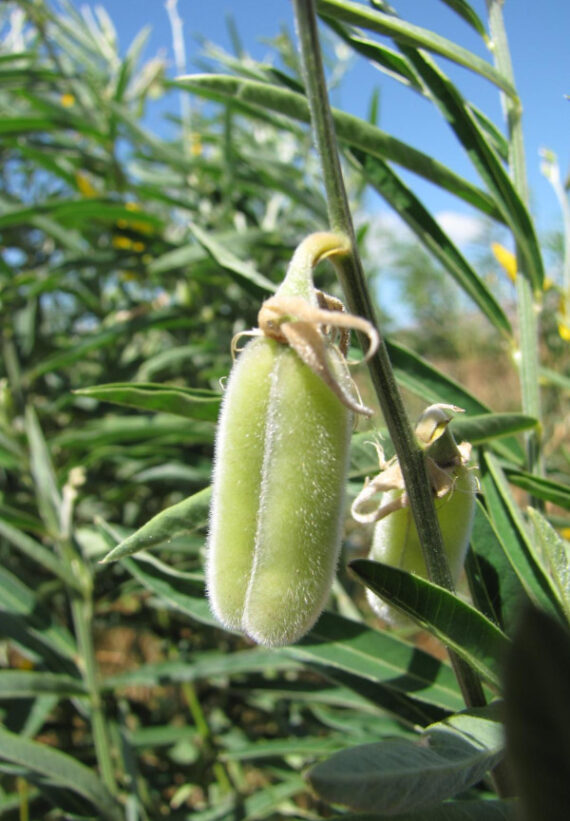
{"points": [[454, 486], [397, 544], [280, 467]]}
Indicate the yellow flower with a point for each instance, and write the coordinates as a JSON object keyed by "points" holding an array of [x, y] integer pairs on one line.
{"points": [[506, 260], [563, 323], [85, 185], [121, 242], [67, 100]]}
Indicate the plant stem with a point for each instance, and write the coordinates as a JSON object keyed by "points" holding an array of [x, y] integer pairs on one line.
{"points": [[82, 616], [528, 363], [82, 612], [352, 278]]}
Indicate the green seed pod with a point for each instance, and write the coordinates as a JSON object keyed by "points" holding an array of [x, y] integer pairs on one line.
{"points": [[280, 469], [454, 485], [397, 544]]}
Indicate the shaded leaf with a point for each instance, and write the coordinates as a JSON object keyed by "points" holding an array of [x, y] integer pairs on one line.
{"points": [[449, 811], [334, 643], [514, 537], [403, 775], [485, 427], [458, 625], [192, 403], [494, 585], [61, 769], [537, 716], [27, 684], [40, 554], [347, 646]]}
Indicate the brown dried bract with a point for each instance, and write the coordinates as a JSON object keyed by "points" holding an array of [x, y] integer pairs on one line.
{"points": [[293, 321]]}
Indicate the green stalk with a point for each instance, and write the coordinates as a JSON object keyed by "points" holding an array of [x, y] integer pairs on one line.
{"points": [[528, 362], [352, 278], [201, 724], [82, 614]]}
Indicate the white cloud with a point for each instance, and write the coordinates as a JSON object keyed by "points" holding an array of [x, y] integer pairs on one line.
{"points": [[461, 228]]}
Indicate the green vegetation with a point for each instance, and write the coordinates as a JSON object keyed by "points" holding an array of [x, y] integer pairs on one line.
{"points": [[130, 258]]}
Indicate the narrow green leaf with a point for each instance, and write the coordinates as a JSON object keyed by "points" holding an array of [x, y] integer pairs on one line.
{"points": [[404, 775], [556, 554], [193, 403], [458, 625], [418, 376], [408, 34], [541, 488], [468, 13], [29, 623], [334, 644], [457, 113], [537, 716], [25, 684], [183, 517], [40, 554], [179, 591], [24, 125], [386, 59], [550, 377], [489, 426], [252, 96], [449, 811], [203, 666], [379, 174], [263, 803], [513, 535], [496, 590], [61, 769], [46, 487], [244, 271], [354, 648]]}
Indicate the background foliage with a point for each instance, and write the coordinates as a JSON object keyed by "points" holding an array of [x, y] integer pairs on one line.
{"points": [[129, 259]]}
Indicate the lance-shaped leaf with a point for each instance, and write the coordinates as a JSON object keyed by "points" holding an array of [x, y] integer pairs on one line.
{"points": [[433, 237], [193, 403], [183, 517], [458, 625], [485, 160], [399, 775], [61, 770], [406, 33], [254, 98], [515, 538]]}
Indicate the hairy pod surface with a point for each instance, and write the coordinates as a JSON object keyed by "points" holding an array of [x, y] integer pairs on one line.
{"points": [[277, 503], [396, 541]]}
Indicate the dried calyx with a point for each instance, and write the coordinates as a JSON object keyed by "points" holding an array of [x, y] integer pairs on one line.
{"points": [[395, 540], [311, 323], [443, 459]]}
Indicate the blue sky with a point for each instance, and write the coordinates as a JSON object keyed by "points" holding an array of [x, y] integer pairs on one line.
{"points": [[538, 34]]}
